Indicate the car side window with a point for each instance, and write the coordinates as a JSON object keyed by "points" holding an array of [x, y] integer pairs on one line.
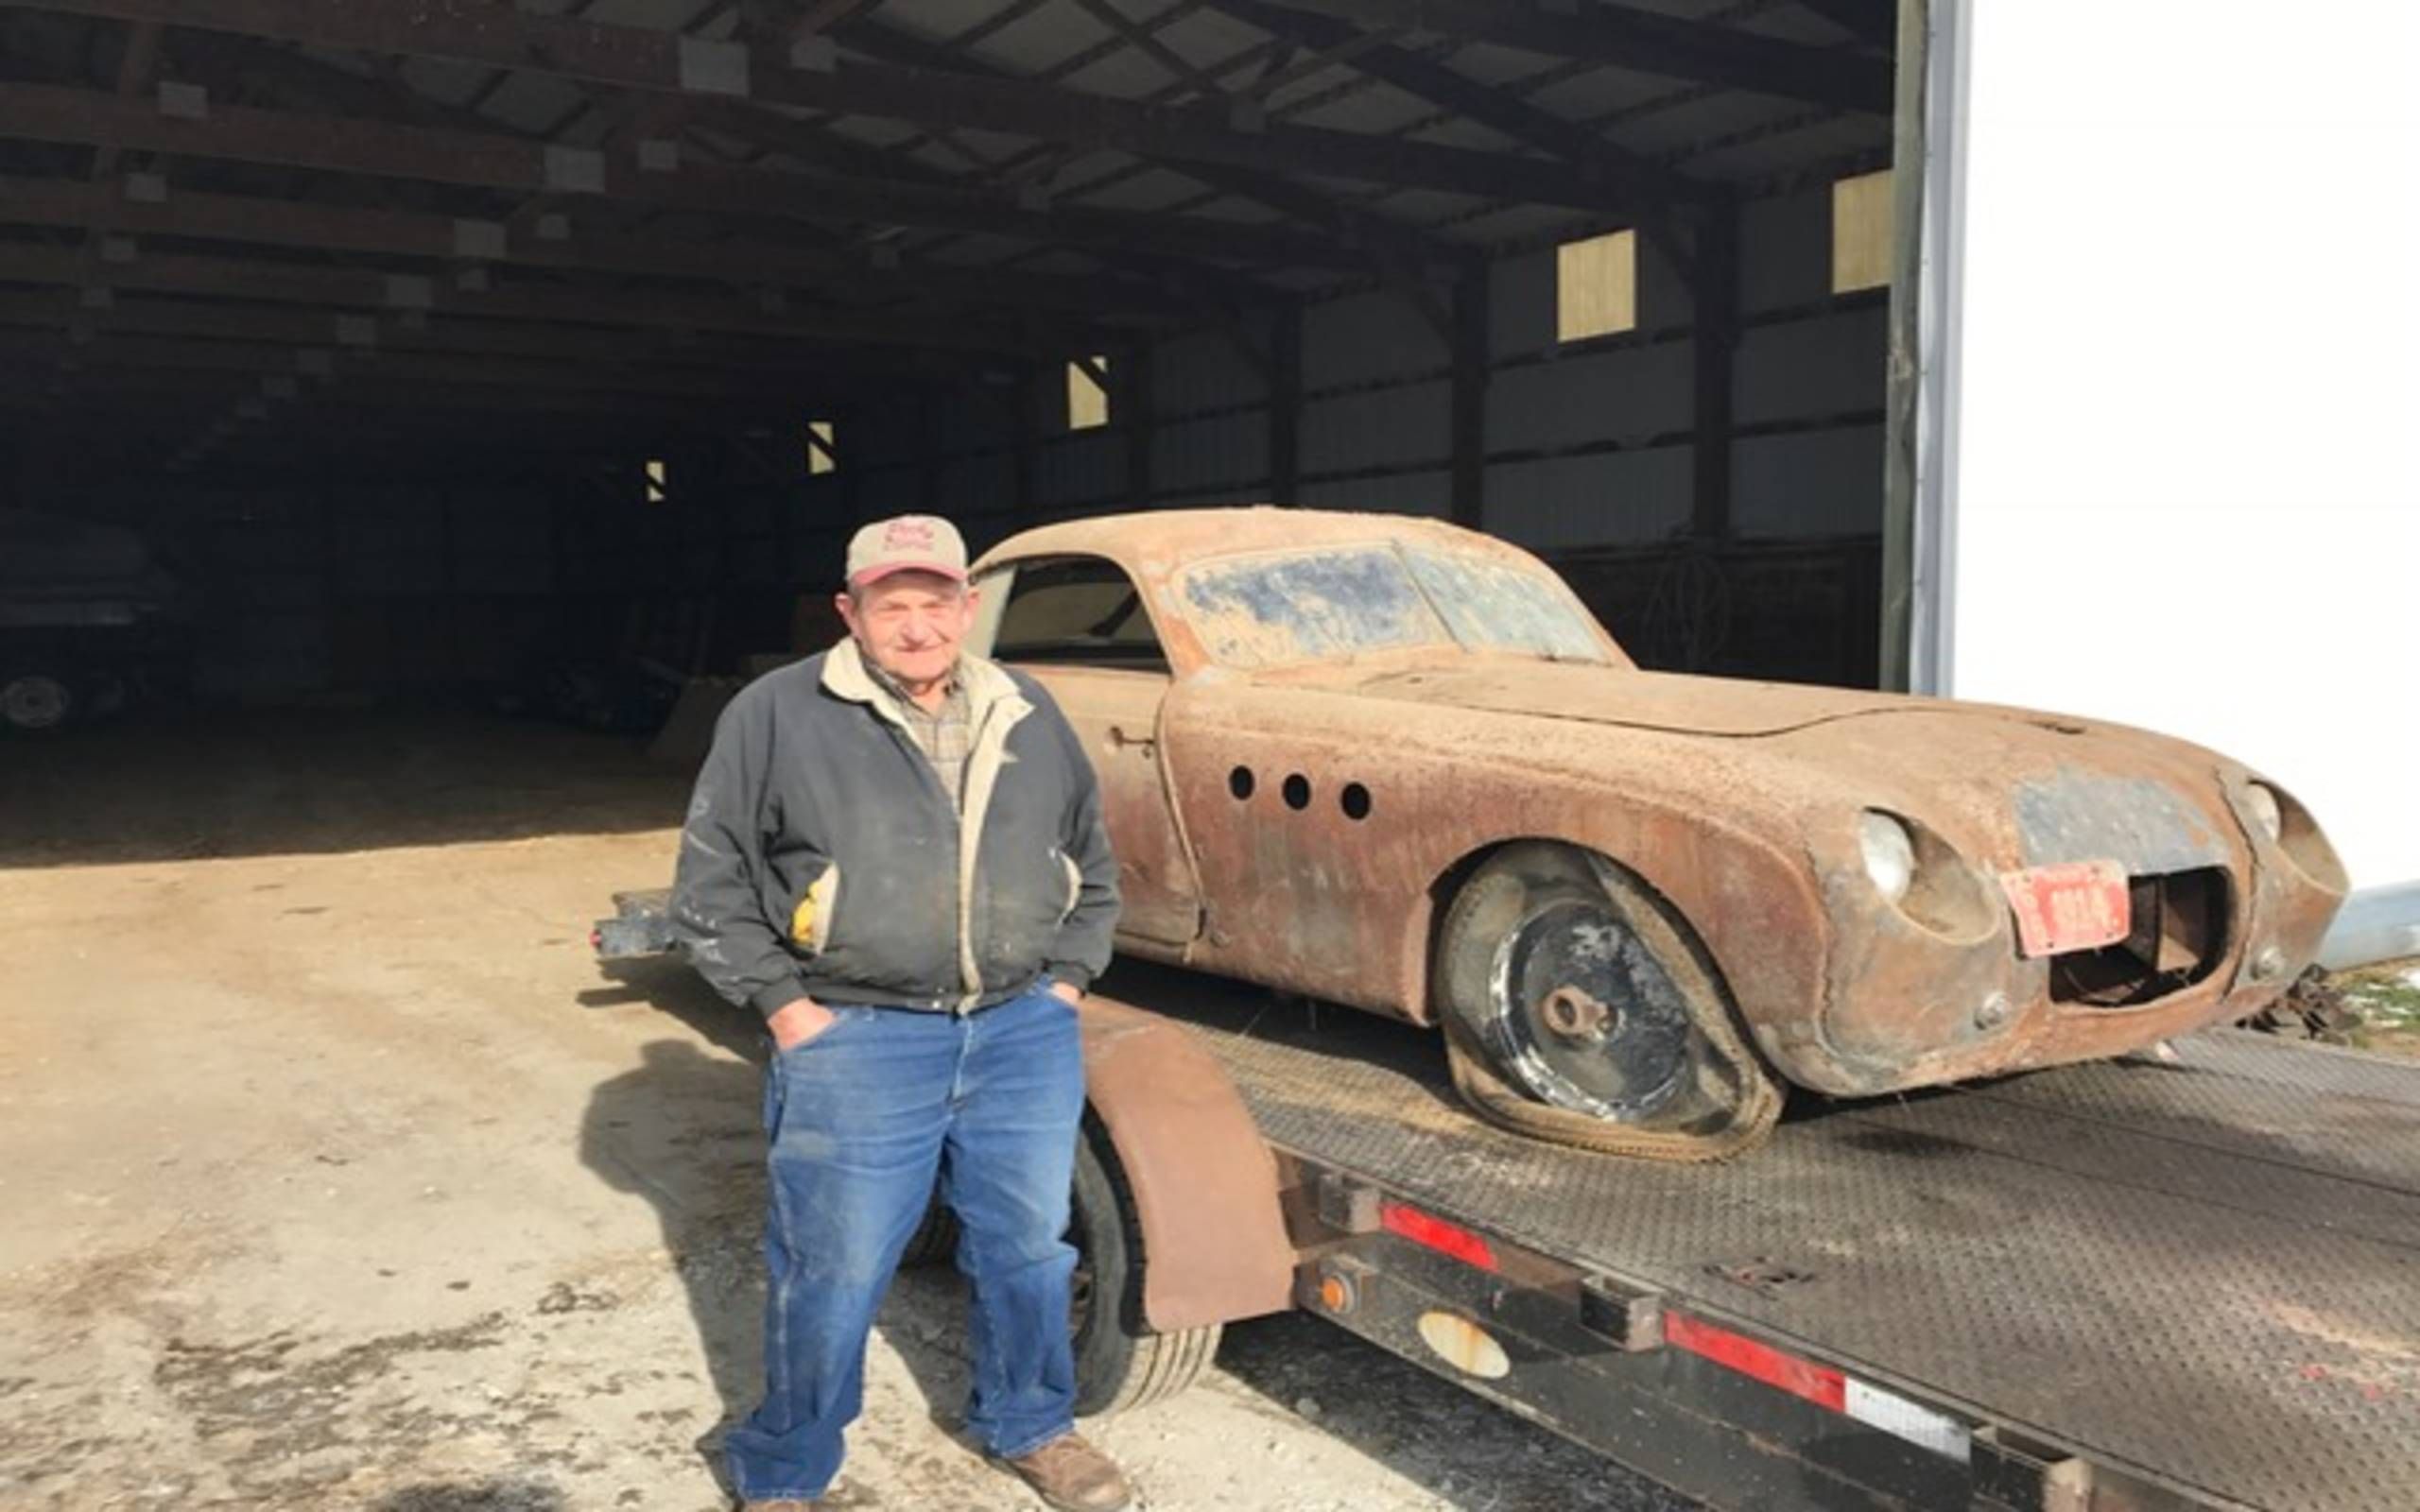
{"points": [[1077, 611]]}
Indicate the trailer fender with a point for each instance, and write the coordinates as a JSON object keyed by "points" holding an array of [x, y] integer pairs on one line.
{"points": [[1204, 1184]]}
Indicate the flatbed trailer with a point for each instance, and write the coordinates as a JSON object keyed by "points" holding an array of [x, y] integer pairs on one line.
{"points": [[2189, 1280]]}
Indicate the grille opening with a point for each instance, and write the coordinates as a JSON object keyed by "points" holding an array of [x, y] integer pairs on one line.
{"points": [[2179, 937]]}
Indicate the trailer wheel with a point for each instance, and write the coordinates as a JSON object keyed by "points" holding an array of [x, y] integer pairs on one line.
{"points": [[1120, 1364], [1579, 1008], [36, 700]]}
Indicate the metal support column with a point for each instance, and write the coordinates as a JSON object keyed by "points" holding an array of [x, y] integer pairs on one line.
{"points": [[1717, 348], [1131, 408], [1286, 406], [1469, 424]]}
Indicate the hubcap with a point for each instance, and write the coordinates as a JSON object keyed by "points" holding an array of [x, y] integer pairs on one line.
{"points": [[1586, 1018], [33, 701]]}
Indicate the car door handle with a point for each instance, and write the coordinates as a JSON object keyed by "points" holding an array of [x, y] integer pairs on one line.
{"points": [[1117, 736]]}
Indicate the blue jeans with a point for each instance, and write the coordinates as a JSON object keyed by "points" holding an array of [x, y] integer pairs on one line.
{"points": [[861, 1119]]}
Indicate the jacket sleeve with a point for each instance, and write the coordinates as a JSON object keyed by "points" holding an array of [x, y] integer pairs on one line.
{"points": [[1082, 950], [717, 908]]}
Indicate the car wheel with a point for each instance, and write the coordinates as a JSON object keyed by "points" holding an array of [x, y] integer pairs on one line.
{"points": [[1579, 1008], [1120, 1364], [36, 702]]}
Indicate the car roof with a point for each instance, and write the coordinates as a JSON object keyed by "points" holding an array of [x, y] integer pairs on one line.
{"points": [[1164, 539]]}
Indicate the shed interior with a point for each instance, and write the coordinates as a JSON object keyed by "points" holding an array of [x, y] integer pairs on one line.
{"points": [[467, 347]]}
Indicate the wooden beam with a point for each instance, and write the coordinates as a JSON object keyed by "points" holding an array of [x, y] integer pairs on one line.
{"points": [[1625, 175], [436, 372], [1588, 150], [369, 290], [1391, 247], [179, 400], [304, 329], [341, 145], [1641, 42], [479, 32], [406, 233]]}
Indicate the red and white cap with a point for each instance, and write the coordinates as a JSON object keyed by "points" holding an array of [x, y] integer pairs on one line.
{"points": [[907, 543]]}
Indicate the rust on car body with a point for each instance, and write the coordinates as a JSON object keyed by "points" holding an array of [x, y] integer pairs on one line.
{"points": [[1334, 742]]}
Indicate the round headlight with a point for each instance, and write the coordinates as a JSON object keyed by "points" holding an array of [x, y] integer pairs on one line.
{"points": [[1889, 854], [2262, 800]]}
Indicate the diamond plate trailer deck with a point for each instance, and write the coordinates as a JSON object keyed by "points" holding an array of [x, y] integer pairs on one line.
{"points": [[2130, 1284]]}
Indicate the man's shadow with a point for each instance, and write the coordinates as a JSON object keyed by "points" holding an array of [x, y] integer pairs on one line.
{"points": [[685, 1130]]}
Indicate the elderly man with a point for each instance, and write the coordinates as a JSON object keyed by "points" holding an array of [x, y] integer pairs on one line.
{"points": [[895, 854]]}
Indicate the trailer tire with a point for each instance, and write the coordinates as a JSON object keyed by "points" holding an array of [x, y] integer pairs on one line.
{"points": [[1641, 1056], [1120, 1362]]}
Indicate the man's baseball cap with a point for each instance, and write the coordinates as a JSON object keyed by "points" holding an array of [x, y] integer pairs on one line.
{"points": [[907, 542]]}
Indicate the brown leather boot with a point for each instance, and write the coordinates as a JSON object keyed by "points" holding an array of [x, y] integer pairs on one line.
{"points": [[1072, 1476]]}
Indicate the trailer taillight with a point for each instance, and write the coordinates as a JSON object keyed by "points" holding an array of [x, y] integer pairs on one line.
{"points": [[1822, 1385], [1800, 1378], [1437, 1234]]}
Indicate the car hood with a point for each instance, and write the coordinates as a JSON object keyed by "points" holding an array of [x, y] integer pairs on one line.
{"points": [[1642, 700], [2016, 787]]}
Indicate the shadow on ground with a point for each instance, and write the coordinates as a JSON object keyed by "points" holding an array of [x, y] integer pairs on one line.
{"points": [[683, 1129], [168, 787]]}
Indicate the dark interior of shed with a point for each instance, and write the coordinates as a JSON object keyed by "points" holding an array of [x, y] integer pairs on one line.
{"points": [[473, 350]]}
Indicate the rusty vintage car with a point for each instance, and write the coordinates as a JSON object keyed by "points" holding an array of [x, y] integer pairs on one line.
{"points": [[1389, 763]]}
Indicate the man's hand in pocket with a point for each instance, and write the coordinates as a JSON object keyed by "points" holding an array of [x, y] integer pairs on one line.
{"points": [[794, 1023]]}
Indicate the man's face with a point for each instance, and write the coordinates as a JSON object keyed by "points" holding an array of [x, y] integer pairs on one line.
{"points": [[911, 624]]}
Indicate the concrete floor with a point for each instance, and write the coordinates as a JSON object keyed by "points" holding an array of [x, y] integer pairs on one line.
{"points": [[336, 1175]]}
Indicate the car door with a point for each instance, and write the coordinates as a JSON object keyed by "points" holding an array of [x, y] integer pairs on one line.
{"points": [[1079, 625]]}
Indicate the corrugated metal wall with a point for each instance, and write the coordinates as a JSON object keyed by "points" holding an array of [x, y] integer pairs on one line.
{"points": [[308, 586], [1587, 447]]}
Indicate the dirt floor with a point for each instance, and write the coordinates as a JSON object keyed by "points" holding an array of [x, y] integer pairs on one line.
{"points": [[336, 1176]]}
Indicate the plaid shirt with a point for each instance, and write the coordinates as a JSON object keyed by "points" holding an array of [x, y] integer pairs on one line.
{"points": [[942, 734]]}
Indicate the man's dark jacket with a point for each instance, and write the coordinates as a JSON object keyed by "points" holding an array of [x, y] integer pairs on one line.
{"points": [[822, 857]]}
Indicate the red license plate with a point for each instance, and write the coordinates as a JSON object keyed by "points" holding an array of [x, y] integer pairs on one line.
{"points": [[2077, 905]]}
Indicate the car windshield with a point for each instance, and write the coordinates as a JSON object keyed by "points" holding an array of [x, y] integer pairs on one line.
{"points": [[1269, 610], [1494, 604]]}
